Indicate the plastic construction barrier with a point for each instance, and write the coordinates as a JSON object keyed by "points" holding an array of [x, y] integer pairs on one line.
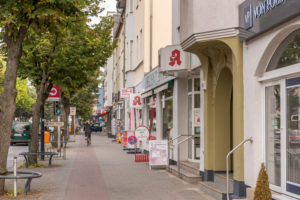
{"points": [[142, 158]]}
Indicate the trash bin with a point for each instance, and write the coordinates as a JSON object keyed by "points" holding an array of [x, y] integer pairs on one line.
{"points": [[46, 137]]}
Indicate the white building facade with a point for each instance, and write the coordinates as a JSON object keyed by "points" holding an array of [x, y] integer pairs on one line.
{"points": [[272, 93]]}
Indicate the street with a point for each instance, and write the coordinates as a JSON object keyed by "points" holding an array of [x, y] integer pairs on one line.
{"points": [[104, 171]]}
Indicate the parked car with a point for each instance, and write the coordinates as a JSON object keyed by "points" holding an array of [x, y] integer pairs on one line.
{"points": [[96, 127], [21, 133]]}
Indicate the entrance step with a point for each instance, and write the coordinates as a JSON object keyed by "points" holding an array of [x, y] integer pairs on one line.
{"points": [[185, 175], [190, 167], [217, 188]]}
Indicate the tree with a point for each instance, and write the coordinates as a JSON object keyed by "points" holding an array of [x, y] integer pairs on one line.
{"points": [[16, 17], [70, 57], [262, 190]]}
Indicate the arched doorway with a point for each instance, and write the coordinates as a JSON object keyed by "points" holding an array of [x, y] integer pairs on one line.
{"points": [[223, 119]]}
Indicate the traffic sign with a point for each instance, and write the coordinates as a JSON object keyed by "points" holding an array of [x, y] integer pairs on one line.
{"points": [[54, 123], [73, 111], [54, 94]]}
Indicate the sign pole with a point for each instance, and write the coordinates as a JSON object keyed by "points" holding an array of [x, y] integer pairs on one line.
{"points": [[58, 137]]}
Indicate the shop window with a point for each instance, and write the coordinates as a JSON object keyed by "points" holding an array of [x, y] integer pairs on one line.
{"points": [[197, 84], [288, 53], [293, 130], [273, 134], [197, 100], [167, 117], [194, 118]]}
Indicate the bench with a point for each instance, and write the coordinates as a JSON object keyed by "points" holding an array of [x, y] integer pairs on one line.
{"points": [[27, 154], [29, 175]]}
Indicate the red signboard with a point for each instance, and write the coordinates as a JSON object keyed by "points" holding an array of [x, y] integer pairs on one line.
{"points": [[54, 94]]}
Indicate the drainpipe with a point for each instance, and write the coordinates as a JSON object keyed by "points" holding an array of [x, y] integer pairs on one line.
{"points": [[151, 22], [124, 60]]}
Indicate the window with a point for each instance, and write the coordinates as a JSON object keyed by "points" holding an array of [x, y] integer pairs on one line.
{"points": [[273, 134], [293, 130], [288, 52], [194, 117], [141, 45], [167, 104], [130, 58]]}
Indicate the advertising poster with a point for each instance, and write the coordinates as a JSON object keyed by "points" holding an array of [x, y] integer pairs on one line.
{"points": [[131, 140], [124, 138], [141, 134], [197, 115], [158, 152]]}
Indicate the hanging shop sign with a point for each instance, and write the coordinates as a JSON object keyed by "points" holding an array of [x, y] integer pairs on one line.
{"points": [[136, 101], [154, 79], [172, 58], [257, 16], [153, 102], [141, 134], [158, 152], [125, 92]]}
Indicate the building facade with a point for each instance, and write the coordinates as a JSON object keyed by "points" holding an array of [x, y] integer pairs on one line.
{"points": [[272, 72], [213, 75]]}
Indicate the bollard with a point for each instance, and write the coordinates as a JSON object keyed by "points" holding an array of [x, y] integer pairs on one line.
{"points": [[15, 174]]}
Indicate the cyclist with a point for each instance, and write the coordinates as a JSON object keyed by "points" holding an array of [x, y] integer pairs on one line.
{"points": [[87, 131]]}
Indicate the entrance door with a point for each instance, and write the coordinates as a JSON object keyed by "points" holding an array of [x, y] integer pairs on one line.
{"points": [[282, 109], [223, 119], [194, 118]]}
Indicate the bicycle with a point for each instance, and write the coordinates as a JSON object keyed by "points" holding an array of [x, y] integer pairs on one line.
{"points": [[88, 140]]}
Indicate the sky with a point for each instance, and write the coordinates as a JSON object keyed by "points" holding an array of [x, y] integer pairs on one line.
{"points": [[109, 5]]}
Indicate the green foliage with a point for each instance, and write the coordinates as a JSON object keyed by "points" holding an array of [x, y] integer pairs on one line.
{"points": [[262, 190], [25, 98], [72, 58]]}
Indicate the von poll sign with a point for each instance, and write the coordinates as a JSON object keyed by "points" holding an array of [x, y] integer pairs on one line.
{"points": [[136, 101]]}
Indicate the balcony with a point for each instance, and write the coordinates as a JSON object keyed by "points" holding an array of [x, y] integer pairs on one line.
{"points": [[198, 22]]}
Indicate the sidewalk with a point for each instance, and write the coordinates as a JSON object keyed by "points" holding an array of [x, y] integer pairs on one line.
{"points": [[104, 171]]}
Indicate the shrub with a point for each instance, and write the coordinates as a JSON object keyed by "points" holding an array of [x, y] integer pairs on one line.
{"points": [[262, 190]]}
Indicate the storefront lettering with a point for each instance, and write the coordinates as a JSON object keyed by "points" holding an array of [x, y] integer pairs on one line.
{"points": [[175, 58], [265, 7], [154, 78], [254, 12]]}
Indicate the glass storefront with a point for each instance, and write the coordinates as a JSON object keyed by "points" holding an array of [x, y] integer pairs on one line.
{"points": [[282, 117]]}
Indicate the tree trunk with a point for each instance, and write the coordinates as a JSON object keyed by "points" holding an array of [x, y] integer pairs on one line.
{"points": [[8, 97], [66, 111], [36, 116]]}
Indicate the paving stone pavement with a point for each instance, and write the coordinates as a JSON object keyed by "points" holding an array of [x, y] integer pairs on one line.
{"points": [[104, 171]]}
